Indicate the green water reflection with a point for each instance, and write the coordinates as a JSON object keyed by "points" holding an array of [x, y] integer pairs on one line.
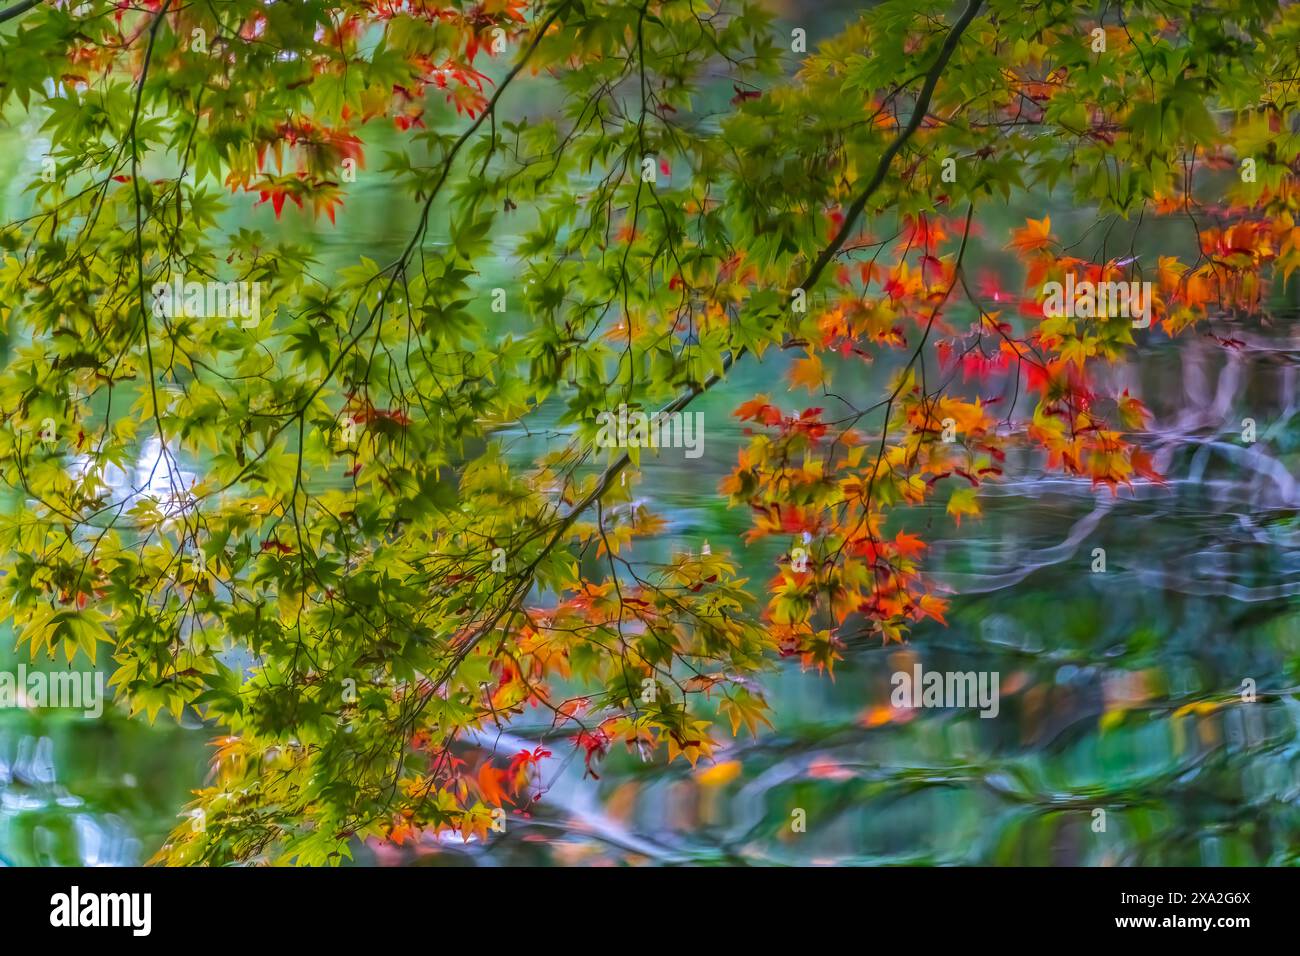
{"points": [[1198, 597]]}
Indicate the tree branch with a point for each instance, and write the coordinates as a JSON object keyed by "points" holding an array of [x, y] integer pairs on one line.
{"points": [[612, 471], [854, 212], [18, 9]]}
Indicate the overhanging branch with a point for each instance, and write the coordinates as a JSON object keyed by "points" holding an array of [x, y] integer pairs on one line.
{"points": [[613, 470], [18, 9], [851, 217]]}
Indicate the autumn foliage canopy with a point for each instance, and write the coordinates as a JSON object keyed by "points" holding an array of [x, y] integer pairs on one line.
{"points": [[362, 581]]}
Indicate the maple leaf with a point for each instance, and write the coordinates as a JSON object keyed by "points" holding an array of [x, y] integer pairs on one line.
{"points": [[807, 372], [744, 708], [758, 409], [1036, 236], [692, 747], [490, 788], [930, 606], [962, 502], [908, 546], [522, 762], [595, 743], [402, 832], [1143, 466], [1133, 414]]}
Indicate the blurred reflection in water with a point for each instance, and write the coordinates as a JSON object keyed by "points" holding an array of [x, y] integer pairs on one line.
{"points": [[1122, 737], [1120, 703], [93, 792]]}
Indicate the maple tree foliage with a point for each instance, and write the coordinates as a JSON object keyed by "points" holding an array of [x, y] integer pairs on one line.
{"points": [[351, 612]]}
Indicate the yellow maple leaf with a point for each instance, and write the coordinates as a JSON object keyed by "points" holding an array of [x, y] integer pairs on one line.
{"points": [[807, 372]]}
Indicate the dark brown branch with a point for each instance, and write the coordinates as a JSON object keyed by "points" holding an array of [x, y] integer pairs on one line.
{"points": [[616, 467], [18, 9], [851, 217]]}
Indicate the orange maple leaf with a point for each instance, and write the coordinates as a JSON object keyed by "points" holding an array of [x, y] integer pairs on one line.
{"points": [[490, 788], [908, 545], [1035, 237], [807, 372]]}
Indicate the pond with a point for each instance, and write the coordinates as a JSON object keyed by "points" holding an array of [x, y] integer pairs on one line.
{"points": [[1093, 760]]}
